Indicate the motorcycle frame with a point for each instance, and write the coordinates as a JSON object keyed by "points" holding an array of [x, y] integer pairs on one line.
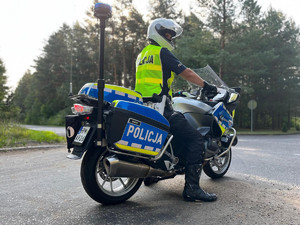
{"points": [[100, 139]]}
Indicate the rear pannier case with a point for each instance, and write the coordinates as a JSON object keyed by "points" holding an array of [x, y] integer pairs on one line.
{"points": [[136, 129]]}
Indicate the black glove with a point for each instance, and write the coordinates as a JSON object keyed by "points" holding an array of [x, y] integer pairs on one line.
{"points": [[210, 88]]}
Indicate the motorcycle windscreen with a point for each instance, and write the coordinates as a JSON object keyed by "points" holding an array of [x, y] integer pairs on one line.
{"points": [[222, 117], [136, 128]]}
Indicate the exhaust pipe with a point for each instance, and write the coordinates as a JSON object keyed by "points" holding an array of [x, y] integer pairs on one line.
{"points": [[118, 168]]}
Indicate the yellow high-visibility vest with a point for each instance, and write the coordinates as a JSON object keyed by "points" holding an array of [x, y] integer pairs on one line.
{"points": [[149, 74]]}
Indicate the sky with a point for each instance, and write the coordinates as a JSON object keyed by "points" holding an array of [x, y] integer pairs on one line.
{"points": [[26, 26]]}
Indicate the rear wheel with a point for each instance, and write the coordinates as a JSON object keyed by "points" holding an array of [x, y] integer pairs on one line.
{"points": [[217, 168], [101, 187]]}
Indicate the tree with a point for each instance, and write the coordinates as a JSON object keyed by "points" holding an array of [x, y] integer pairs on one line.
{"points": [[8, 110], [121, 22], [21, 94], [258, 52], [165, 9], [125, 36], [3, 91], [43, 94], [197, 45], [3, 80], [137, 28], [221, 20], [245, 58], [263, 59], [251, 14], [281, 37]]}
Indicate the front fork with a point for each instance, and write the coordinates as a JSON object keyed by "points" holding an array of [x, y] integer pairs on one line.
{"points": [[232, 142]]}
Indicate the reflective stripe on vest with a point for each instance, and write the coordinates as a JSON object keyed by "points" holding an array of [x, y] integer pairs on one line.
{"points": [[149, 77]]}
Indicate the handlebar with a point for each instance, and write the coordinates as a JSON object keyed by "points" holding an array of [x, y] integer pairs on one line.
{"points": [[196, 94]]}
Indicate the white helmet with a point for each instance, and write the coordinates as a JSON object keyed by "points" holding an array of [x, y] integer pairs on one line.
{"points": [[160, 26]]}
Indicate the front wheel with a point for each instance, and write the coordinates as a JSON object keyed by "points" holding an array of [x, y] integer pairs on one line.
{"points": [[217, 168], [99, 186]]}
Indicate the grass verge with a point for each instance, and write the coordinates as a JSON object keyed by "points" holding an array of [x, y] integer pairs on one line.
{"points": [[267, 132], [13, 135]]}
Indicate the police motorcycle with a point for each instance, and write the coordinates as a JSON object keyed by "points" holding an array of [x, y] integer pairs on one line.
{"points": [[124, 142]]}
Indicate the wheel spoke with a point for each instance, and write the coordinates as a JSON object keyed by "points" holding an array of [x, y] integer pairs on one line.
{"points": [[111, 186], [212, 163], [100, 170], [104, 181], [219, 167], [120, 179]]}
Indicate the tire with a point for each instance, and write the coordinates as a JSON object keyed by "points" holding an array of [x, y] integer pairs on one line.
{"points": [[217, 168], [102, 188]]}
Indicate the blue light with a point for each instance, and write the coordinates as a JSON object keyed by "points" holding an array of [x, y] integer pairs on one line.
{"points": [[102, 5]]}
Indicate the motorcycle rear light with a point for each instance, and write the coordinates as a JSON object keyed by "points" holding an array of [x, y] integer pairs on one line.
{"points": [[81, 109]]}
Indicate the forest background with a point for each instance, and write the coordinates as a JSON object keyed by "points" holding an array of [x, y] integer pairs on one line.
{"points": [[257, 51]]}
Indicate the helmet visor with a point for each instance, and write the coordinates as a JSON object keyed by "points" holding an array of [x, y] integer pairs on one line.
{"points": [[171, 28]]}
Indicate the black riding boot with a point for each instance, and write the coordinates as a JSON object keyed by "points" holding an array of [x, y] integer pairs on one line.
{"points": [[192, 190]]}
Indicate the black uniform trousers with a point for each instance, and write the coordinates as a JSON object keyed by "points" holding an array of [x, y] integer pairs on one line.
{"points": [[190, 140]]}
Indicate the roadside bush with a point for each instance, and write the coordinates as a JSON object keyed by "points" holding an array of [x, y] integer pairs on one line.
{"points": [[298, 127], [59, 118], [285, 127], [296, 123]]}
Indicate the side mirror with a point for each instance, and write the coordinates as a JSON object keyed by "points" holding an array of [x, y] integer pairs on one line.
{"points": [[237, 89]]}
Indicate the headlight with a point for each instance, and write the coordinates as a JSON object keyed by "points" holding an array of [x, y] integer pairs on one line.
{"points": [[233, 97]]}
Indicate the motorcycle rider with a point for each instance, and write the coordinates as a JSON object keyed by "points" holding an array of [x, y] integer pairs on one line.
{"points": [[156, 67]]}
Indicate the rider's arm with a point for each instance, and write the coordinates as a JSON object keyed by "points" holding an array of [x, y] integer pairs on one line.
{"points": [[170, 62], [191, 76]]}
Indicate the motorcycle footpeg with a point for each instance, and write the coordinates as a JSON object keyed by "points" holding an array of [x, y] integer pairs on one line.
{"points": [[150, 180]]}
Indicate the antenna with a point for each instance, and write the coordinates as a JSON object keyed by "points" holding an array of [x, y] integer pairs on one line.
{"points": [[102, 11]]}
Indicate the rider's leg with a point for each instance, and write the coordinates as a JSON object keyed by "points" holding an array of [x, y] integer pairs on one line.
{"points": [[194, 154]]}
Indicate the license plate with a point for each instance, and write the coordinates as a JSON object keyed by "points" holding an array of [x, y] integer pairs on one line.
{"points": [[81, 135]]}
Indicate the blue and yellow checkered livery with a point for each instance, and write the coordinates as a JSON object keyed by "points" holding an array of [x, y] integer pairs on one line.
{"points": [[136, 128], [111, 93], [222, 117]]}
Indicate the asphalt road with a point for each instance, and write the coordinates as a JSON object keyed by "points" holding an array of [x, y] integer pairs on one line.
{"points": [[58, 130], [280, 153], [261, 187], [274, 157]]}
